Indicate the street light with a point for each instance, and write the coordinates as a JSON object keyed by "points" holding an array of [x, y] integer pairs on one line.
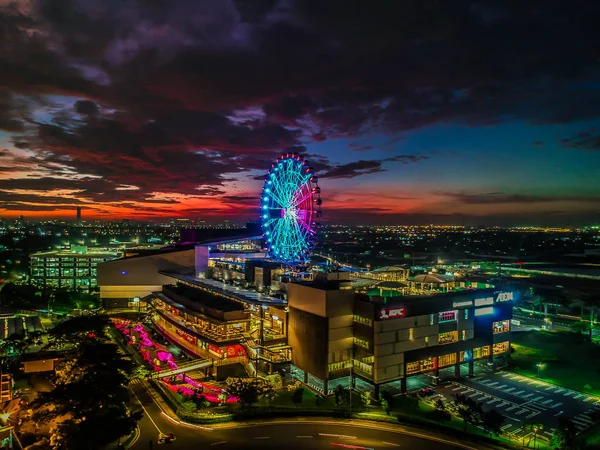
{"points": [[539, 366]]}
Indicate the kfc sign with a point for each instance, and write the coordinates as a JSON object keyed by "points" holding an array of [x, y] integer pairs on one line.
{"points": [[392, 313]]}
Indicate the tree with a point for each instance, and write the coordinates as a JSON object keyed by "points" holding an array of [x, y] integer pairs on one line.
{"points": [[89, 408], [200, 401], [468, 409], [79, 330], [248, 391], [492, 421], [366, 398], [297, 396], [342, 395], [386, 399], [564, 435]]}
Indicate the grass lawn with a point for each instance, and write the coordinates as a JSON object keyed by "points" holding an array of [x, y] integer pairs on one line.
{"points": [[567, 359]]}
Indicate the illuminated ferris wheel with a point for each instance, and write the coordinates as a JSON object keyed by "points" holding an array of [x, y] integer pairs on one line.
{"points": [[290, 209]]}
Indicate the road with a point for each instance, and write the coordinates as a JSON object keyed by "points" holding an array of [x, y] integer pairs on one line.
{"points": [[525, 400], [289, 434]]}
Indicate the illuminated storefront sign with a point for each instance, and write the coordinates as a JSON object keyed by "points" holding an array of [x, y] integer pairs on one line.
{"points": [[447, 316], [504, 297], [484, 301], [214, 349], [184, 335], [484, 311], [392, 313], [462, 304], [233, 351]]}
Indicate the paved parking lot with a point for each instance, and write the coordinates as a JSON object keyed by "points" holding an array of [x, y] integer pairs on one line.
{"points": [[524, 400]]}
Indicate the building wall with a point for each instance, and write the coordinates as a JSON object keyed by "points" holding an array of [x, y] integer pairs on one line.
{"points": [[308, 336], [138, 277], [46, 365]]}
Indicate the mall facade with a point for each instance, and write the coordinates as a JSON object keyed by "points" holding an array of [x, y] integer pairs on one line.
{"points": [[225, 302]]}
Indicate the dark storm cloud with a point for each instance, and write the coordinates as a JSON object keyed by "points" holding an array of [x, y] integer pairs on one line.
{"points": [[156, 86], [583, 141], [492, 198]]}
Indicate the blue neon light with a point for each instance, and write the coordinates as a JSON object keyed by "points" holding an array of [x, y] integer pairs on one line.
{"points": [[291, 200]]}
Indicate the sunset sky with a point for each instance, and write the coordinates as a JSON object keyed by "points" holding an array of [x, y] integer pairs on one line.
{"points": [[410, 111]]}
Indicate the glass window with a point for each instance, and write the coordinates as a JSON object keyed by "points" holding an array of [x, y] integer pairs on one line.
{"points": [[447, 360], [464, 335], [426, 340], [502, 326], [411, 334], [431, 319], [363, 320], [466, 314], [501, 347], [361, 343], [448, 337]]}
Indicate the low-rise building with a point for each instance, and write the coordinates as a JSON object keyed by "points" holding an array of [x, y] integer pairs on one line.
{"points": [[76, 267]]}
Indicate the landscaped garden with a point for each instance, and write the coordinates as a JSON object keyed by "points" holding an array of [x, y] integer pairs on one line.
{"points": [[565, 359]]}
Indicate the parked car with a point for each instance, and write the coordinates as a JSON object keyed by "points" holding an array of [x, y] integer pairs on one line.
{"points": [[426, 392]]}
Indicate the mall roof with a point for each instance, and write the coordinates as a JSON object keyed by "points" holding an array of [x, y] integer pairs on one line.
{"points": [[395, 268], [431, 278]]}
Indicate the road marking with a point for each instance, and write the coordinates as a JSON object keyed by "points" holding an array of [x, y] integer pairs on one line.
{"points": [[578, 396], [559, 390], [588, 399], [341, 436], [262, 437], [523, 411], [528, 395], [146, 411], [584, 418], [546, 402], [568, 393], [549, 388], [518, 392], [493, 401], [504, 427], [509, 389], [501, 386], [390, 443], [502, 405], [304, 437], [537, 398], [531, 415], [218, 443], [493, 384], [460, 388], [558, 413], [556, 405], [512, 407], [579, 421]]}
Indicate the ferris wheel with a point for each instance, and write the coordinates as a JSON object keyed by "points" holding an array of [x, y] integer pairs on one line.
{"points": [[290, 209]]}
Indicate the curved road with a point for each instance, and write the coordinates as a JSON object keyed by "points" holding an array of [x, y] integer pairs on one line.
{"points": [[286, 434]]}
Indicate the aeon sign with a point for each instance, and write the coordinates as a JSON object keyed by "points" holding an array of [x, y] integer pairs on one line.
{"points": [[392, 313]]}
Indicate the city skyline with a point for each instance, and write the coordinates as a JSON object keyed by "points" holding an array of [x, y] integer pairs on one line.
{"points": [[469, 113]]}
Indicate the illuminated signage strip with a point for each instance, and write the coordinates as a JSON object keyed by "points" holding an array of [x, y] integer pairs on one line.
{"points": [[484, 301], [484, 311], [462, 304]]}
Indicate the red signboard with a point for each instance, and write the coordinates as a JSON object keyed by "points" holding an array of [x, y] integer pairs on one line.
{"points": [[184, 335], [215, 349], [234, 351], [392, 313]]}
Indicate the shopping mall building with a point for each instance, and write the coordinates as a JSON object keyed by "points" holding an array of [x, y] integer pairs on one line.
{"points": [[225, 302]]}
